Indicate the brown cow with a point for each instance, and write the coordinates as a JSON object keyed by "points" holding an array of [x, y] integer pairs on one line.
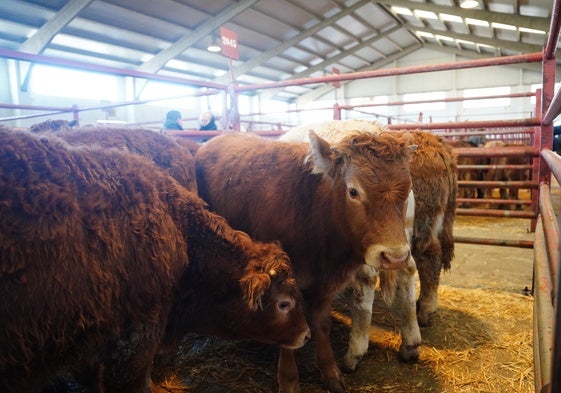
{"points": [[434, 172], [105, 259], [165, 151], [332, 207], [468, 174], [53, 125], [506, 174]]}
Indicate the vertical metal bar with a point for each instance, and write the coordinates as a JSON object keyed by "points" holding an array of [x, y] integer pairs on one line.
{"points": [[543, 311], [554, 27]]}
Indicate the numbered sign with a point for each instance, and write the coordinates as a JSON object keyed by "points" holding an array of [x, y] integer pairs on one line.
{"points": [[229, 40]]}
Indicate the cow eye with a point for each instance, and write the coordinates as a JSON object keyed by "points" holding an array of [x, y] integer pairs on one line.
{"points": [[353, 193], [285, 305]]}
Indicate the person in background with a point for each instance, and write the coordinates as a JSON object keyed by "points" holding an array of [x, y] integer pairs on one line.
{"points": [[174, 121], [208, 122]]}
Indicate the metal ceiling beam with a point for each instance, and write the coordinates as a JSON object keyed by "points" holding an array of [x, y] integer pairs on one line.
{"points": [[38, 41], [263, 57], [529, 22], [320, 91], [157, 62], [268, 94], [494, 42]]}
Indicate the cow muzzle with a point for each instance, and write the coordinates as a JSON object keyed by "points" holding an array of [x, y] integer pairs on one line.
{"points": [[389, 258], [302, 339]]}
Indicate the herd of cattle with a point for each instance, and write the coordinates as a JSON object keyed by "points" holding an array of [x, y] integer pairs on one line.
{"points": [[115, 243]]}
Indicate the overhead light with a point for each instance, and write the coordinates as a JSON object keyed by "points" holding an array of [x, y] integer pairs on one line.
{"points": [[214, 45], [469, 3]]}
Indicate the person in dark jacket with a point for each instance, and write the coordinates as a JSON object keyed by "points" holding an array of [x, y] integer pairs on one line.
{"points": [[208, 122], [174, 121]]}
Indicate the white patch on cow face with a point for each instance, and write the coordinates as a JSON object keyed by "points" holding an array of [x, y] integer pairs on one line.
{"points": [[409, 215], [388, 258]]}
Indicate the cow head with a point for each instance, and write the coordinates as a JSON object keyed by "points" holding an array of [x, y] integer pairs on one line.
{"points": [[370, 175], [272, 297]]}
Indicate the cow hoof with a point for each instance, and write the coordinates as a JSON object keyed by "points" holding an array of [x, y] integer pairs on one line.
{"points": [[289, 389], [334, 385], [409, 353]]}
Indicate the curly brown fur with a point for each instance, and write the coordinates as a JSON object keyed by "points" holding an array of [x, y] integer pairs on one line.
{"points": [[104, 259]]}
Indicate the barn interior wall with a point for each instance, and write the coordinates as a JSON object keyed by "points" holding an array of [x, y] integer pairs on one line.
{"points": [[11, 93], [5, 88], [451, 82], [4, 81]]}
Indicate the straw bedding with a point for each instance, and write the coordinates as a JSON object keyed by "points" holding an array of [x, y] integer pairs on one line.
{"points": [[481, 341]]}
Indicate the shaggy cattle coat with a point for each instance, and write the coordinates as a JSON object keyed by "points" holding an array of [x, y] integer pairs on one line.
{"points": [[104, 259], [165, 151]]}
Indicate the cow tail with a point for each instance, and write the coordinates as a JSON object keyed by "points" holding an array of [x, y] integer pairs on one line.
{"points": [[450, 212]]}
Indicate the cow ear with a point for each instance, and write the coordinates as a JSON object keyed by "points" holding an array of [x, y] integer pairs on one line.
{"points": [[321, 154], [254, 286]]}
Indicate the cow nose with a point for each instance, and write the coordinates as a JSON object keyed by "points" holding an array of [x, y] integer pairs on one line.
{"points": [[395, 259]]}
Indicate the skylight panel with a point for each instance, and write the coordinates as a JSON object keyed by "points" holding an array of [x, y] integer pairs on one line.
{"points": [[443, 38], [178, 64], [526, 30], [503, 26], [146, 57], [424, 34], [477, 22], [465, 42], [451, 18], [402, 11], [425, 14], [90, 45]]}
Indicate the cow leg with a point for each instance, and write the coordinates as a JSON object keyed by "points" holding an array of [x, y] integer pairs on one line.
{"points": [[513, 194], [428, 298], [320, 321], [404, 308], [130, 362], [362, 290], [287, 372], [427, 251]]}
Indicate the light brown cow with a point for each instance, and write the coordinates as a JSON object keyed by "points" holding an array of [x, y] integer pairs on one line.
{"points": [[332, 207], [105, 259], [434, 172]]}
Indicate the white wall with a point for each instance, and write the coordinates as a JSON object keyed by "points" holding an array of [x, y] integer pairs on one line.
{"points": [[451, 82]]}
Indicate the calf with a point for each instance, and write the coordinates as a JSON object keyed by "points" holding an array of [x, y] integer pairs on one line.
{"points": [[166, 152], [105, 259], [434, 172], [332, 207]]}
